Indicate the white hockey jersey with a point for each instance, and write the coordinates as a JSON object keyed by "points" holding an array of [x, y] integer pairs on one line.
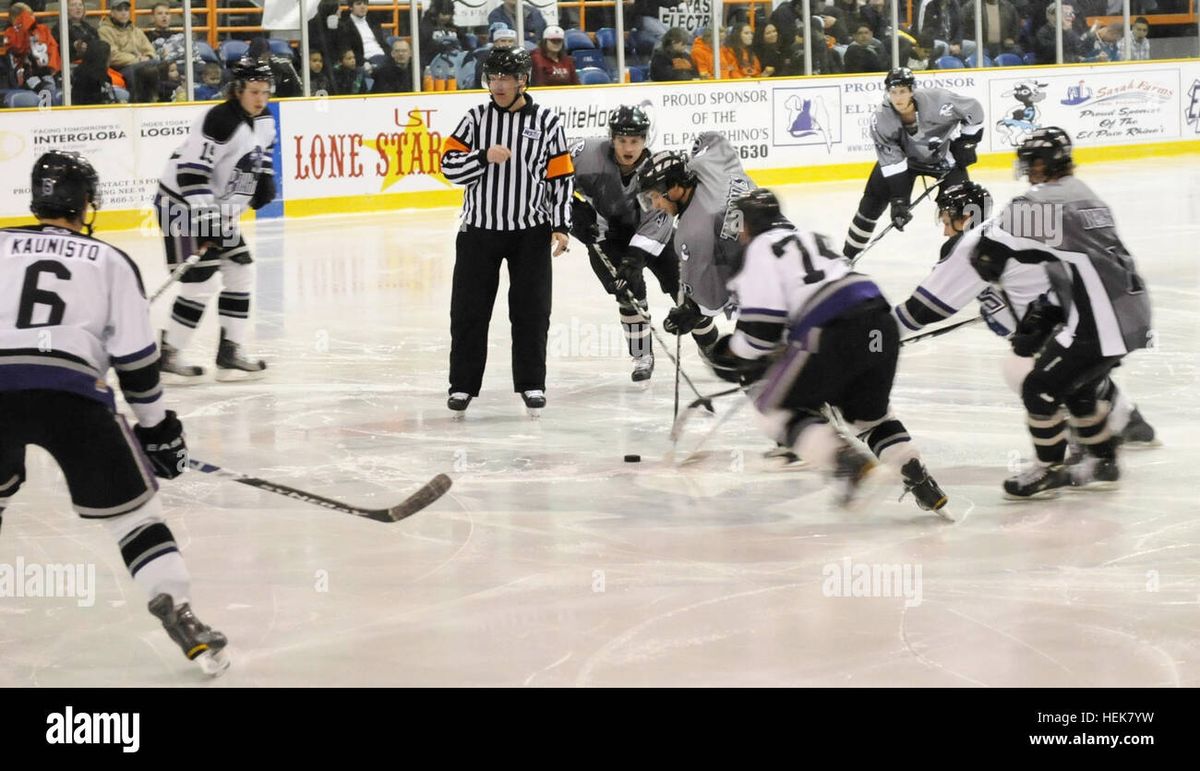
{"points": [[791, 282], [71, 306], [220, 162]]}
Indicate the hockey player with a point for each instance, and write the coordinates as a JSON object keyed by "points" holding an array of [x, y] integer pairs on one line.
{"points": [[699, 191], [223, 167], [840, 351], [71, 307], [927, 132], [1097, 313], [607, 219], [953, 283]]}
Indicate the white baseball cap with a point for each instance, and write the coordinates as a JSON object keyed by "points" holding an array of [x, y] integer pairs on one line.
{"points": [[553, 33]]}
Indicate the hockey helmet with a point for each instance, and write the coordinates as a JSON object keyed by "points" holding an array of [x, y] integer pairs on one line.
{"points": [[1050, 144], [63, 184], [629, 122], [966, 199]]}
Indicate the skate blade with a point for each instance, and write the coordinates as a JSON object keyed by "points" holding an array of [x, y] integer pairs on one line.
{"points": [[213, 663], [944, 512], [533, 412], [1129, 444], [1044, 495], [458, 415], [239, 375], [1096, 487], [170, 378]]}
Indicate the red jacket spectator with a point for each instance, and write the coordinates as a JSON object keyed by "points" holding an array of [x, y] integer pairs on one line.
{"points": [[29, 40], [552, 65]]}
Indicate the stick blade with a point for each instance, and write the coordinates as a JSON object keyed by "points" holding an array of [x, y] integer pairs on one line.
{"points": [[428, 493]]}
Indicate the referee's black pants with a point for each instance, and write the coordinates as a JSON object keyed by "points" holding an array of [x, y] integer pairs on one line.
{"points": [[479, 253]]}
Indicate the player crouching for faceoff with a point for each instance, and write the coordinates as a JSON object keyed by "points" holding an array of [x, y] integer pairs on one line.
{"points": [[87, 298], [1097, 312], [840, 348], [224, 167]]}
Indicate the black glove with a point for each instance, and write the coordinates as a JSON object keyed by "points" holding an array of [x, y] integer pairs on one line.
{"points": [[963, 150], [1041, 319], [901, 215], [629, 272], [264, 193], [164, 446], [584, 226], [731, 367], [683, 318]]}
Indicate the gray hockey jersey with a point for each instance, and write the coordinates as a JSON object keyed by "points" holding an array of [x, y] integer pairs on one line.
{"points": [[598, 180], [941, 116], [706, 233], [1065, 226]]}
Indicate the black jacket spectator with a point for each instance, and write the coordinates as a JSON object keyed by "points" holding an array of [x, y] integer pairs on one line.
{"points": [[321, 37], [90, 83], [671, 60], [82, 35], [943, 19], [858, 58], [348, 37], [1010, 28], [437, 24]]}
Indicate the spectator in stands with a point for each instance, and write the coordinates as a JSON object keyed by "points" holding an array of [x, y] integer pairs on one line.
{"points": [[171, 87], [838, 21], [319, 81], [79, 30], [1109, 43], [1141, 40], [395, 77], [287, 82], [702, 53], [919, 55], [132, 52], [644, 16], [160, 23], [91, 81], [501, 37], [362, 36], [506, 12], [865, 53], [552, 66], [770, 55], [1075, 45], [32, 49], [670, 60], [437, 25], [737, 55], [209, 87], [322, 32], [1001, 26], [874, 13], [348, 77], [943, 20], [824, 61], [168, 44]]}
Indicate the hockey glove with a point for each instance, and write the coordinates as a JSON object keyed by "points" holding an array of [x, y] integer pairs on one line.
{"points": [[264, 193], [629, 272], [164, 446], [901, 215], [731, 367], [584, 226], [683, 318], [1041, 319], [963, 150]]}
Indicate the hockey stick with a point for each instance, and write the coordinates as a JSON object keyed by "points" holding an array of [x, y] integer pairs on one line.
{"points": [[696, 453], [706, 402], [608, 265], [427, 494], [940, 330], [176, 274], [891, 225]]}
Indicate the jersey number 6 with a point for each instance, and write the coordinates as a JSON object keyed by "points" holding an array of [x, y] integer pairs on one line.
{"points": [[32, 296]]}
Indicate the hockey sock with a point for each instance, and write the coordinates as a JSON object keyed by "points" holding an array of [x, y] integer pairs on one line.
{"points": [[859, 235], [150, 553], [1049, 433], [188, 310], [637, 332], [706, 333], [1093, 431], [234, 302], [889, 441], [817, 443]]}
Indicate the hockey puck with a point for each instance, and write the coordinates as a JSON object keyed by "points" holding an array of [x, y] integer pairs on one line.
{"points": [[633, 458]]}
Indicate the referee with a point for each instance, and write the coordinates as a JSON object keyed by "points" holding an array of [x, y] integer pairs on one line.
{"points": [[511, 156]]}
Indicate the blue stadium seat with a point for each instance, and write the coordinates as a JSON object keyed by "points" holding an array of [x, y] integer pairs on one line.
{"points": [[606, 38], [577, 39], [973, 60], [949, 63], [202, 49], [1008, 60], [639, 73], [1029, 58], [280, 47], [232, 50], [591, 76], [588, 57]]}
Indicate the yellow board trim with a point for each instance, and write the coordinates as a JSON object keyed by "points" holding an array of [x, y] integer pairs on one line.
{"points": [[132, 219]]}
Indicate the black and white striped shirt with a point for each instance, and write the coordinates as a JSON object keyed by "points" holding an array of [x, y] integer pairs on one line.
{"points": [[530, 188]]}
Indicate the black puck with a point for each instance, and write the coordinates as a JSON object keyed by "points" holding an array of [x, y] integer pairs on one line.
{"points": [[633, 458]]}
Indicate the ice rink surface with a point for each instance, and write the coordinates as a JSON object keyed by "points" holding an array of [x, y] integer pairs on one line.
{"points": [[551, 562]]}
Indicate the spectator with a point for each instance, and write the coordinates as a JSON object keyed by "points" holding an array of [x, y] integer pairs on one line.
{"points": [[91, 81], [171, 87], [737, 55], [865, 53], [160, 24], [551, 64], [209, 87], [168, 44], [943, 20], [1075, 45], [770, 54], [501, 37], [823, 60], [1001, 26], [322, 32], [132, 52], [1109, 42], [873, 13], [1141, 40], [365, 38], [319, 81], [506, 12], [670, 60], [437, 26], [287, 82], [395, 77], [644, 16], [702, 54], [81, 33], [348, 77], [919, 54], [32, 49]]}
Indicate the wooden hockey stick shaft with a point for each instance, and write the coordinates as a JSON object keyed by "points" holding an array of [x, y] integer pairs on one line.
{"points": [[940, 330], [176, 274]]}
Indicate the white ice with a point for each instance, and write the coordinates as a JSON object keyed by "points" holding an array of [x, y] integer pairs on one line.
{"points": [[551, 562]]}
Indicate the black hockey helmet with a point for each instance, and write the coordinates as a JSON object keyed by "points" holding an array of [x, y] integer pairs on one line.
{"points": [[507, 61], [1050, 144], [966, 199], [899, 76], [247, 69], [63, 185], [662, 171], [629, 121], [760, 211]]}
